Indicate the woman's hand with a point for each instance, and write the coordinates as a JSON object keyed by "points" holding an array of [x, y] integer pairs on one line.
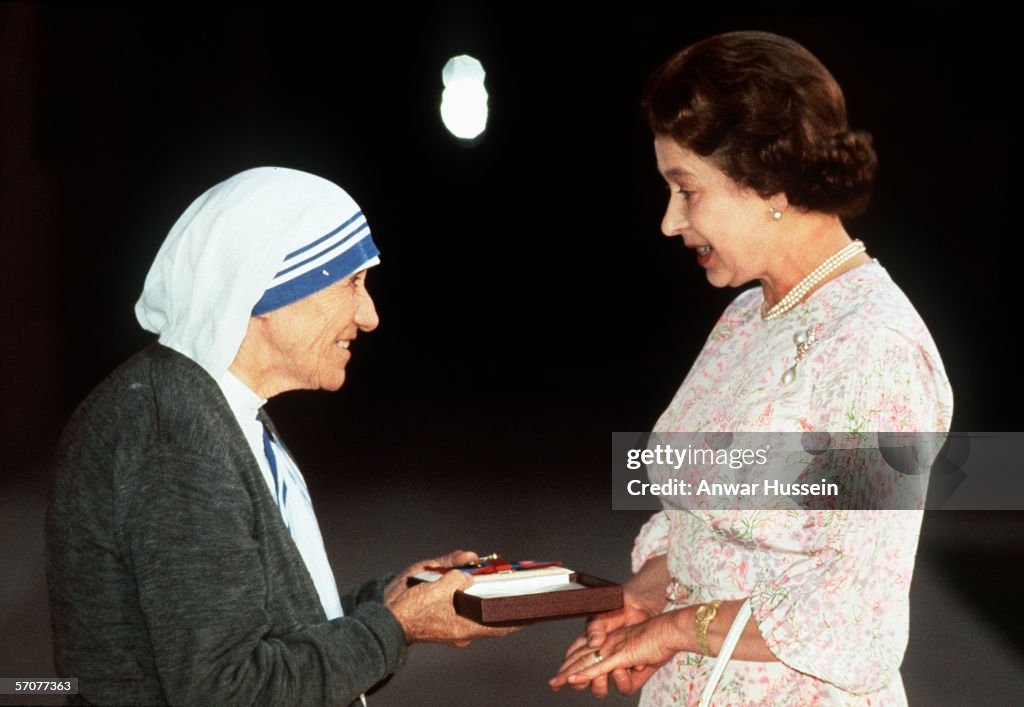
{"points": [[643, 597], [601, 625], [630, 654], [598, 629]]}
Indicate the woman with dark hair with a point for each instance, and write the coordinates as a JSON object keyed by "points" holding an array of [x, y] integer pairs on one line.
{"points": [[752, 138]]}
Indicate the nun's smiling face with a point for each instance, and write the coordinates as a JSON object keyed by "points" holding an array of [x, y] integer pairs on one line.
{"points": [[307, 342]]}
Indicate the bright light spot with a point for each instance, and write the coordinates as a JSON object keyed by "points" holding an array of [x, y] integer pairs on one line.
{"points": [[464, 100]]}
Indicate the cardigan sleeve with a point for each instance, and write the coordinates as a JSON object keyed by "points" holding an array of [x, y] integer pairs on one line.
{"points": [[369, 591], [202, 588]]}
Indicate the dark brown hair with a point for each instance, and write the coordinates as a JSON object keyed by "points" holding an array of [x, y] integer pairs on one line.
{"points": [[769, 115]]}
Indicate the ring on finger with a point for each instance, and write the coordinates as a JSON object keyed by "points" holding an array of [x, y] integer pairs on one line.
{"points": [[597, 657]]}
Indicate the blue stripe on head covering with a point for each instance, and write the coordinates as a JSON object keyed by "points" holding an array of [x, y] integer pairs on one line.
{"points": [[358, 216], [358, 250], [323, 251]]}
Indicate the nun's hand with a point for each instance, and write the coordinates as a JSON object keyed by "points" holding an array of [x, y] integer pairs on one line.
{"points": [[427, 613], [400, 583]]}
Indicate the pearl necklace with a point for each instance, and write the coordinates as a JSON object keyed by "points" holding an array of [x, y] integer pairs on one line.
{"points": [[819, 273]]}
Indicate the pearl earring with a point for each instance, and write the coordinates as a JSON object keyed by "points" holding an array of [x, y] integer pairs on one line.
{"points": [[776, 214]]}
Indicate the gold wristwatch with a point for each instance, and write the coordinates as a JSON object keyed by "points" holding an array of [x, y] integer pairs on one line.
{"points": [[706, 613]]}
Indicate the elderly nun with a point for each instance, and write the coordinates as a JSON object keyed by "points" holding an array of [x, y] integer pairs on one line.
{"points": [[184, 559]]}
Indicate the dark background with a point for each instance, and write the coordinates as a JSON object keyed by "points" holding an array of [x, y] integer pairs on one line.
{"points": [[528, 304]]}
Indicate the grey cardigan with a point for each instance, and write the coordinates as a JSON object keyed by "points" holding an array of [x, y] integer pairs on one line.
{"points": [[172, 577]]}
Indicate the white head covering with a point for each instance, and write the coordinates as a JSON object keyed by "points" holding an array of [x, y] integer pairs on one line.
{"points": [[255, 242]]}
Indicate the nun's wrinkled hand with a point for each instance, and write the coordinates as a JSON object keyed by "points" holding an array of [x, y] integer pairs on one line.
{"points": [[427, 613], [452, 559]]}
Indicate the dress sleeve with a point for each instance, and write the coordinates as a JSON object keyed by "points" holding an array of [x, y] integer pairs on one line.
{"points": [[841, 612], [839, 609], [202, 588], [652, 540]]}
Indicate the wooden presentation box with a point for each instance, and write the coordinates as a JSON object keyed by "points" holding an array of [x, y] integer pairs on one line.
{"points": [[595, 596]]}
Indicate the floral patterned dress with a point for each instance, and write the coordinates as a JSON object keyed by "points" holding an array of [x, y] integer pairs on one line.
{"points": [[828, 589]]}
